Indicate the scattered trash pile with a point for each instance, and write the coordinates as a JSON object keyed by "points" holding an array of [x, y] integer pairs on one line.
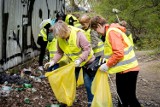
{"points": [[29, 87]]}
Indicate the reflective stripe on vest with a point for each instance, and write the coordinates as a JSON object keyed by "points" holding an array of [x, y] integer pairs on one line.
{"points": [[75, 54], [70, 47], [125, 52], [51, 54], [99, 49], [128, 61]]}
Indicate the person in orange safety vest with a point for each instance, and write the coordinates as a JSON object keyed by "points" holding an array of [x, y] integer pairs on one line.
{"points": [[120, 59]]}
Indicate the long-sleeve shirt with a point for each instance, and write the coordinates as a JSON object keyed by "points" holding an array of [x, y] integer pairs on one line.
{"points": [[81, 43], [118, 44]]}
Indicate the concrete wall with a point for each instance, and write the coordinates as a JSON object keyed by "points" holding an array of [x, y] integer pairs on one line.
{"points": [[19, 27]]}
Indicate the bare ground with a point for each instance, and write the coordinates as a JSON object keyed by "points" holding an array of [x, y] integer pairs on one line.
{"points": [[148, 87]]}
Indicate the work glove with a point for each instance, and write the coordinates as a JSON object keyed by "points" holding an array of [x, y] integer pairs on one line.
{"points": [[104, 67], [44, 22], [49, 64], [103, 60], [77, 63], [40, 68]]}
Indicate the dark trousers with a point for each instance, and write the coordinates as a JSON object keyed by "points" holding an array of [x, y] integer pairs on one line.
{"points": [[126, 89], [43, 46]]}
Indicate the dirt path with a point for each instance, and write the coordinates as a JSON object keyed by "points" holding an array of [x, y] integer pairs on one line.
{"points": [[148, 87]]}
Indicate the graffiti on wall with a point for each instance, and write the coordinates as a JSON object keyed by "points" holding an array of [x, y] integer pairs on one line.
{"points": [[20, 29]]}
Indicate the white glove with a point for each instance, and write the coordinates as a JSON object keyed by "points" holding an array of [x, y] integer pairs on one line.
{"points": [[49, 64], [103, 60], [104, 67], [44, 22], [77, 63]]}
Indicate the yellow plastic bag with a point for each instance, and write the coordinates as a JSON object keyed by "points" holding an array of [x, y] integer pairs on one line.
{"points": [[80, 80], [101, 90], [63, 83]]}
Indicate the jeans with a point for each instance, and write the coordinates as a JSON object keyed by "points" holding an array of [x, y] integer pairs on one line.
{"points": [[87, 82], [88, 75]]}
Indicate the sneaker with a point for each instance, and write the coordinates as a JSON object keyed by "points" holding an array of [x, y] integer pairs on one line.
{"points": [[41, 68]]}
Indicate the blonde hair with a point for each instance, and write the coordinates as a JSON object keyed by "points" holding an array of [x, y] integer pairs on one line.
{"points": [[60, 29]]}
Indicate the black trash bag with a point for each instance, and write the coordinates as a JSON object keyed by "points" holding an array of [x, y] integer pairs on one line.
{"points": [[92, 68]]}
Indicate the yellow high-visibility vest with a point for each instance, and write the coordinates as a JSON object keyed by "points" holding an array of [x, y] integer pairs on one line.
{"points": [[128, 61], [99, 48], [52, 47], [70, 47], [88, 35], [43, 34]]}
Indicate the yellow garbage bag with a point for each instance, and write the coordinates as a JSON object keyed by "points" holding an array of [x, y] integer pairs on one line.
{"points": [[80, 80], [101, 90], [63, 83]]}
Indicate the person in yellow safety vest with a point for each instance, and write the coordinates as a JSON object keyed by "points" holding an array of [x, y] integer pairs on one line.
{"points": [[92, 36], [69, 19], [45, 36], [43, 40], [72, 42], [120, 59], [96, 43], [52, 48]]}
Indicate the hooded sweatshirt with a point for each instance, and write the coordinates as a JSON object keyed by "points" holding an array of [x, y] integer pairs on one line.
{"points": [[118, 44]]}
